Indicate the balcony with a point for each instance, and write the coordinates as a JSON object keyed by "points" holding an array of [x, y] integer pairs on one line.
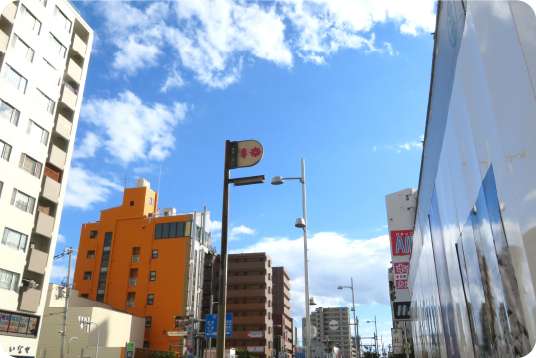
{"points": [[79, 46], [74, 71], [246, 279], [63, 127], [286, 292], [245, 306], [37, 261], [4, 39], [57, 157], [246, 293], [9, 11], [29, 299], [287, 313], [51, 189], [132, 281], [44, 224], [247, 265], [250, 320], [69, 96]]}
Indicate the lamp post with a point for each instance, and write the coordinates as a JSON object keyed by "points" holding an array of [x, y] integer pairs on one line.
{"points": [[70, 340], [302, 223], [375, 334], [356, 321]]}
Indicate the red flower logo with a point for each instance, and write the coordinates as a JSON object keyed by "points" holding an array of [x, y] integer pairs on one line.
{"points": [[255, 152], [244, 153]]}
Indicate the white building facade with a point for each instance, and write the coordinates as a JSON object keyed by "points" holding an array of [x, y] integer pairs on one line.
{"points": [[472, 269], [44, 54]]}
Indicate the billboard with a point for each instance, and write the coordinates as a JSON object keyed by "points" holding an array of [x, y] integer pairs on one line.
{"points": [[398, 341], [401, 241]]}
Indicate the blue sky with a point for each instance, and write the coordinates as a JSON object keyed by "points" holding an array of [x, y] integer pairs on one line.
{"points": [[343, 84]]}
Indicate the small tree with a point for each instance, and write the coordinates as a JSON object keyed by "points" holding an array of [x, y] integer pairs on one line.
{"points": [[240, 353], [169, 354]]}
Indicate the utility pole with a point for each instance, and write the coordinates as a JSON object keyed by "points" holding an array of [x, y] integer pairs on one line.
{"points": [[68, 251]]}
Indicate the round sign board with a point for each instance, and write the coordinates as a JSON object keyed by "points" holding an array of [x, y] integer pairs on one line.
{"points": [[333, 325], [191, 350]]}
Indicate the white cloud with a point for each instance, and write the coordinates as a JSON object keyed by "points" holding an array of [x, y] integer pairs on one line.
{"points": [[174, 80], [59, 268], [237, 232], [216, 226], [409, 145], [87, 148], [210, 38], [61, 238], [85, 188], [131, 130], [333, 259]]}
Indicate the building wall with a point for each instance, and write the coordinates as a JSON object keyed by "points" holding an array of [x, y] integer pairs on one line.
{"points": [[249, 294], [60, 141], [328, 337], [471, 274], [130, 257], [281, 306]]}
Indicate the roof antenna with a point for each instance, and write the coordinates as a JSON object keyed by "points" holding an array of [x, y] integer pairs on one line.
{"points": [[125, 180]]}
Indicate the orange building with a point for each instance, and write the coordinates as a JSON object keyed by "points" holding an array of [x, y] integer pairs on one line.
{"points": [[145, 263]]}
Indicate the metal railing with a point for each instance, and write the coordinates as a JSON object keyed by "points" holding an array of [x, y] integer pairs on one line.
{"points": [[132, 281], [130, 302], [135, 258]]}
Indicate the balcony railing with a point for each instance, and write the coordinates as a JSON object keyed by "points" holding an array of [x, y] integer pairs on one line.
{"points": [[51, 173], [44, 224], [135, 258], [130, 302], [37, 261], [63, 127], [29, 299], [132, 281], [57, 157], [51, 189]]}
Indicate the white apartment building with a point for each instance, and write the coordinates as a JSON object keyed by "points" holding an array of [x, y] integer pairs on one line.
{"points": [[333, 331], [44, 54]]}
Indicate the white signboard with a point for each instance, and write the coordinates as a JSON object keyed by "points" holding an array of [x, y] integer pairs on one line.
{"points": [[333, 325], [398, 340], [256, 349]]}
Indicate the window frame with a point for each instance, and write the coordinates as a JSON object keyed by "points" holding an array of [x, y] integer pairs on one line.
{"points": [[91, 234], [89, 253], [37, 166], [51, 104], [151, 276], [62, 49], [31, 200], [5, 150], [150, 299], [86, 275], [14, 283], [7, 70], [15, 113], [57, 11], [24, 12], [22, 241], [44, 133], [153, 254], [148, 321], [29, 50]]}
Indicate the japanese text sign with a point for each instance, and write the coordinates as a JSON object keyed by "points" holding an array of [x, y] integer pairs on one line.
{"points": [[401, 241]]}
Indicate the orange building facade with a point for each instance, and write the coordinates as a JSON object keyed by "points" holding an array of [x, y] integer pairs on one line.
{"points": [[145, 263]]}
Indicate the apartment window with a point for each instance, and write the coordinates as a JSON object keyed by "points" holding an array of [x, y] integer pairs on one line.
{"points": [[170, 230], [23, 201], [269, 330], [14, 78], [30, 165], [56, 45], [9, 280], [5, 150], [22, 48], [84, 295], [151, 201], [87, 275], [37, 132], [152, 276], [63, 21], [148, 322], [93, 234], [269, 303], [269, 263], [43, 2], [9, 113], [1, 187], [269, 276], [145, 344], [270, 344], [46, 103], [150, 299], [269, 315], [132, 203], [91, 254], [131, 298], [155, 254], [14, 239], [51, 73], [31, 21], [269, 290]]}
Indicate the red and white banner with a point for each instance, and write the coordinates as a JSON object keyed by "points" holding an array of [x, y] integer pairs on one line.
{"points": [[401, 271], [401, 241]]}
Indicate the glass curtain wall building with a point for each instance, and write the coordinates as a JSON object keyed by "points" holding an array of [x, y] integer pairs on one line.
{"points": [[472, 270]]}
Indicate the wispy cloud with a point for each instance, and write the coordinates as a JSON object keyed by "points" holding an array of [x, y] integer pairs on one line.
{"points": [[86, 188]]}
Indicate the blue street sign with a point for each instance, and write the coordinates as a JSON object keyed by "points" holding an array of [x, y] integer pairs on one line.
{"points": [[211, 325], [300, 355]]}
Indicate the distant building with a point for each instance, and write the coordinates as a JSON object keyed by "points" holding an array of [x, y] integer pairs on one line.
{"points": [[146, 263], [250, 299], [283, 323], [44, 57], [115, 327], [400, 220], [333, 330]]}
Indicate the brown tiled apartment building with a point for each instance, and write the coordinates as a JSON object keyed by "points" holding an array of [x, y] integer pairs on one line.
{"points": [[250, 297], [283, 324]]}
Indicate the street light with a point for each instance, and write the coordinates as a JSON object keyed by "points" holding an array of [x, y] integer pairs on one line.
{"points": [[301, 223], [70, 340], [375, 334], [356, 322]]}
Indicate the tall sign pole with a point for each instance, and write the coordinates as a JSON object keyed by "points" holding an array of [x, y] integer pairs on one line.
{"points": [[237, 155]]}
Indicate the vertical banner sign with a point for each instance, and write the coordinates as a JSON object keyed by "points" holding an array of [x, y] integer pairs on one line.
{"points": [[398, 341], [129, 352], [401, 271], [401, 241]]}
